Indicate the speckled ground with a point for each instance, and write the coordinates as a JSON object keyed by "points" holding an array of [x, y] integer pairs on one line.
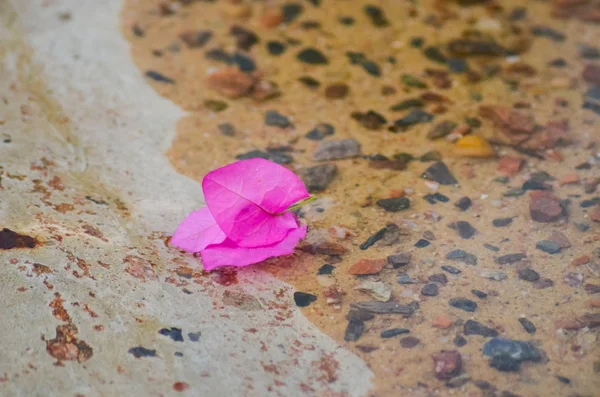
{"points": [[257, 79]]}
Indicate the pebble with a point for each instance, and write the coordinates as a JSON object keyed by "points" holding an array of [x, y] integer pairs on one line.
{"points": [[367, 266], [422, 243], [528, 274], [194, 336], [464, 229], [245, 39], [291, 11], [275, 119], [319, 177], [304, 299], [404, 278], [544, 207], [312, 56], [507, 354], [244, 62], [326, 270], [196, 39], [439, 172], [463, 204], [320, 132], [491, 247], [354, 330], [399, 260], [373, 239], [337, 91], [549, 247], [411, 81], [472, 327], [447, 364], [376, 289], [309, 82], [276, 47], [430, 289], [496, 276], [409, 342], [359, 315], [414, 117], [505, 364], [394, 204], [408, 104], [161, 78], [545, 31], [560, 239], [386, 307], [528, 326], [543, 283], [230, 82], [510, 259], [390, 333], [459, 341], [502, 222], [451, 269], [463, 304], [439, 278], [226, 129], [462, 256], [337, 150], [467, 47], [276, 157], [510, 165], [370, 120]]}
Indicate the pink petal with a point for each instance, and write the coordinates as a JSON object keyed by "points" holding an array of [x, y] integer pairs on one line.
{"points": [[244, 198], [228, 254], [197, 231]]}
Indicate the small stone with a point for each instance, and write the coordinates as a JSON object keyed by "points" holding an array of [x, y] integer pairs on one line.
{"points": [[459, 341], [373, 239], [317, 178], [462, 256], [243, 62], [441, 129], [394, 204], [502, 222], [430, 289], [516, 350], [409, 342], [276, 47], [548, 32], [370, 120], [336, 91], [414, 117], [463, 304], [472, 327], [543, 283], [422, 243], [451, 269], [230, 82], [549, 247], [390, 333], [196, 39], [326, 270], [411, 81], [560, 239], [245, 39], [354, 330], [303, 299], [226, 129], [408, 104], [573, 279], [544, 207], [399, 260], [491, 247], [309, 82], [275, 119], [496, 276], [359, 315], [505, 364], [376, 289], [510, 259], [367, 266], [447, 364], [312, 56], [463, 204], [404, 278], [442, 321], [528, 326], [439, 172], [337, 150], [464, 229], [386, 307], [320, 132], [439, 278], [528, 274]]}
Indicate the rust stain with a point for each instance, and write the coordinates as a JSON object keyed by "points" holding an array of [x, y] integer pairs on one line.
{"points": [[92, 231], [58, 309], [40, 269], [139, 268], [64, 208], [10, 240], [66, 347]]}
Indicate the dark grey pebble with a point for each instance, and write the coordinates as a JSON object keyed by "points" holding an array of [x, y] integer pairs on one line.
{"points": [[558, 63], [422, 243], [372, 68], [291, 11], [502, 179], [472, 327], [394, 204], [359, 315], [505, 364], [276, 119], [409, 342], [430, 289], [479, 294], [390, 333], [399, 260], [377, 16], [468, 47], [274, 156], [439, 278], [549, 247], [320, 131], [587, 51], [373, 239], [464, 304], [509, 259], [178, 354], [194, 336], [434, 54], [516, 191], [371, 120], [317, 178], [528, 326], [226, 129], [173, 333], [451, 269], [459, 341], [309, 81], [548, 32], [304, 299], [563, 379], [245, 39], [528, 274], [312, 56], [337, 150], [439, 172], [533, 184], [441, 198], [462, 256], [218, 55], [458, 65], [519, 350], [502, 222], [139, 352], [386, 307], [243, 62], [404, 278], [196, 39], [463, 203], [326, 269], [491, 247], [275, 47], [464, 229], [441, 129], [407, 104], [354, 330], [414, 117], [161, 78]]}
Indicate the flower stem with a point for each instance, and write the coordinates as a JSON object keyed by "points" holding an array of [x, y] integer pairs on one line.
{"points": [[302, 203]]}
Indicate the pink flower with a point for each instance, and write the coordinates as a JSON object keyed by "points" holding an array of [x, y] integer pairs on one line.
{"points": [[245, 219]]}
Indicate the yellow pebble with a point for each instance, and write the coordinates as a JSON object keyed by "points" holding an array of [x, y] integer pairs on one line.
{"points": [[473, 146]]}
